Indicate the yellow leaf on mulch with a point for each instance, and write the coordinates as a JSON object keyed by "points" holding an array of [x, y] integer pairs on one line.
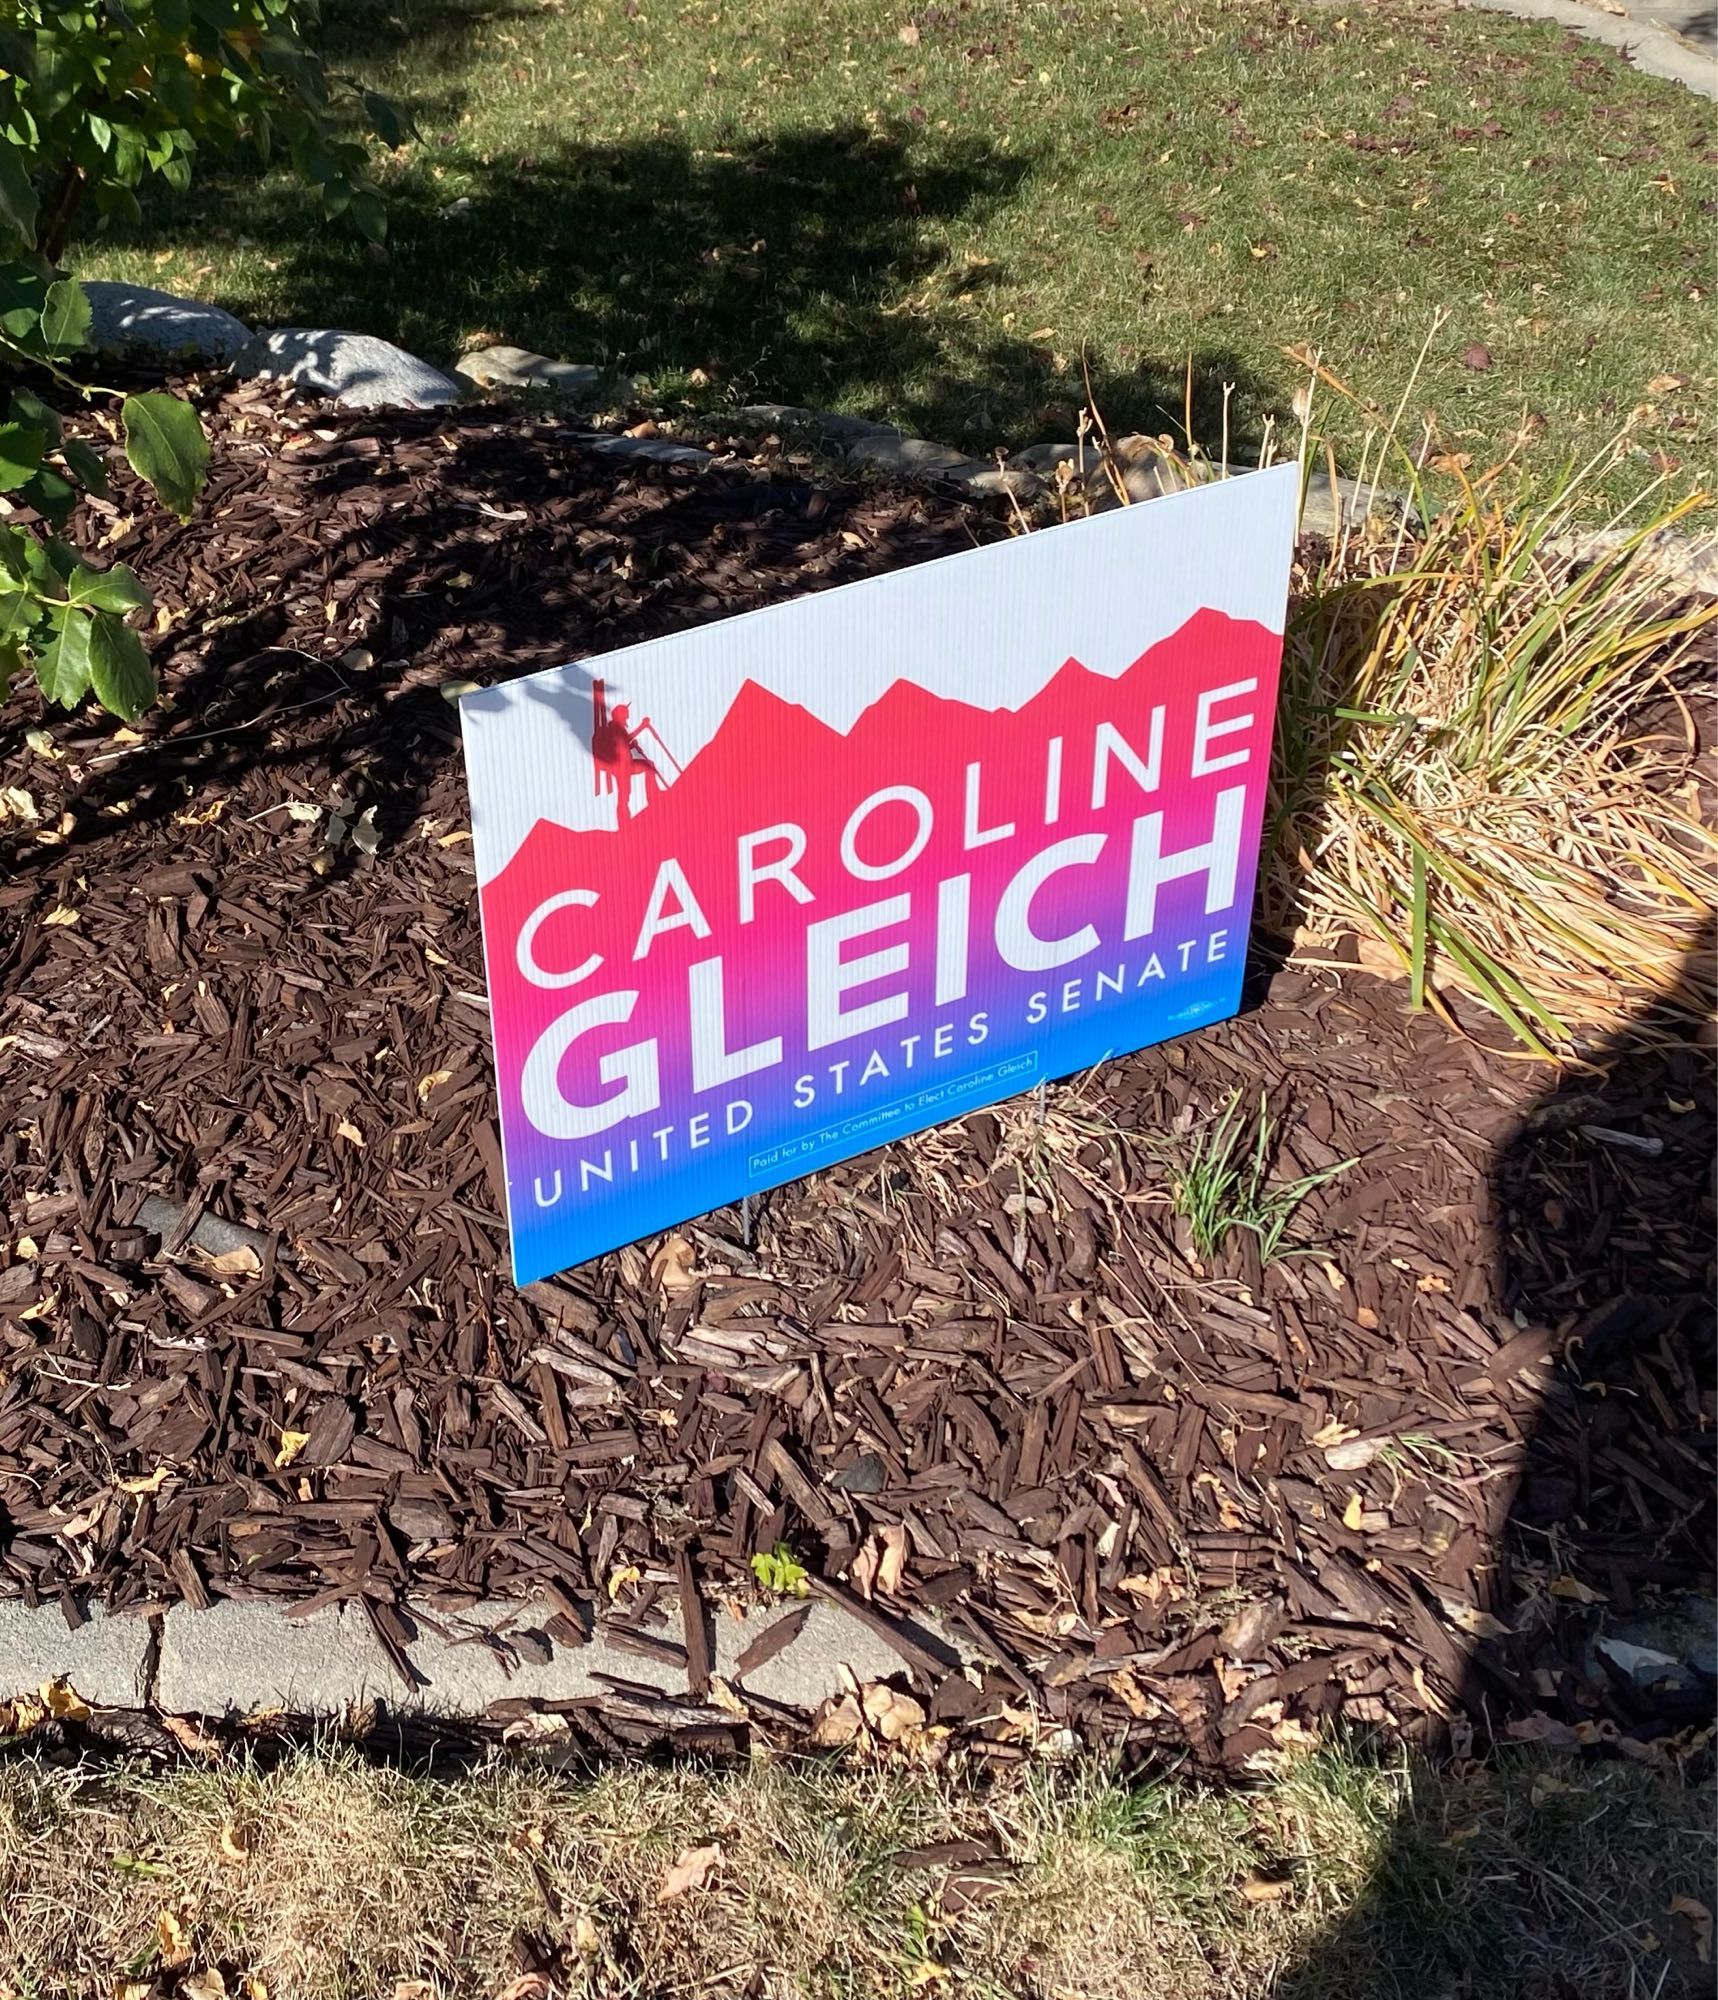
{"points": [[291, 1444], [62, 915], [153, 1484]]}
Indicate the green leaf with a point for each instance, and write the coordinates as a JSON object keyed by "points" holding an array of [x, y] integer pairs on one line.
{"points": [[66, 316], [165, 444], [21, 448], [17, 197], [119, 667], [30, 409], [115, 589], [369, 212], [385, 119], [85, 466], [52, 495], [63, 668], [23, 293]]}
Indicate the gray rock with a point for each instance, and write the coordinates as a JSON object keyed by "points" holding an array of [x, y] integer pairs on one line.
{"points": [[916, 458], [1685, 1632], [664, 451], [126, 318], [519, 368], [1046, 457], [106, 1659], [852, 430], [351, 368], [1327, 513], [776, 416]]}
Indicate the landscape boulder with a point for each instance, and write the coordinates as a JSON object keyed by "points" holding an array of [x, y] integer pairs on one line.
{"points": [[127, 318], [519, 368], [356, 369]]}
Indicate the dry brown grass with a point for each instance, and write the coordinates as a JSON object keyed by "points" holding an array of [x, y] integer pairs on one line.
{"points": [[1483, 772], [328, 1878]]}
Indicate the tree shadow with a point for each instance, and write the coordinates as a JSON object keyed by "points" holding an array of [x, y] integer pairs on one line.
{"points": [[449, 547], [1602, 1208], [803, 267]]}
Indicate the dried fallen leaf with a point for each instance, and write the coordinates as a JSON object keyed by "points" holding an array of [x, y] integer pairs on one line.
{"points": [[291, 1444], [235, 1843], [1262, 1888], [673, 1269], [1353, 1455], [61, 1699], [1471, 1619], [1574, 1591], [893, 1566], [428, 1083], [908, 34], [1700, 1921], [692, 1871], [1354, 1513], [722, 1696], [239, 1262], [838, 1722], [1662, 385], [153, 1484], [62, 914], [528, 1986], [173, 1938], [1477, 356], [895, 1717], [627, 1573], [347, 1130], [189, 1737], [207, 1984]]}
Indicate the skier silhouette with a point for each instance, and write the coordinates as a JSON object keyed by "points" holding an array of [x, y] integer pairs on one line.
{"points": [[616, 751]]}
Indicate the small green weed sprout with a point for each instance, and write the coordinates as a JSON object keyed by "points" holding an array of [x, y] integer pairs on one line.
{"points": [[1220, 1180], [781, 1572]]}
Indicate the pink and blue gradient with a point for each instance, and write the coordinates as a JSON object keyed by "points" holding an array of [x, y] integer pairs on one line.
{"points": [[771, 764]]}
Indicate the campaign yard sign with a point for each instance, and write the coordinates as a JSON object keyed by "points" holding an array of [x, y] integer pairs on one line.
{"points": [[763, 895]]}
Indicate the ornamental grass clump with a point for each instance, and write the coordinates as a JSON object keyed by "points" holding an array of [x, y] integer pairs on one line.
{"points": [[1484, 769]]}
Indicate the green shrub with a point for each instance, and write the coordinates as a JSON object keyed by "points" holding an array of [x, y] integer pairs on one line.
{"points": [[96, 100]]}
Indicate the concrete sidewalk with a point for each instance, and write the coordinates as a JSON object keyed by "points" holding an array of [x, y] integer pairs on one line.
{"points": [[1675, 39]]}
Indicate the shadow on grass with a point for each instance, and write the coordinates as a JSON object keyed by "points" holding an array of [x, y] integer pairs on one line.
{"points": [[802, 267], [1603, 1257]]}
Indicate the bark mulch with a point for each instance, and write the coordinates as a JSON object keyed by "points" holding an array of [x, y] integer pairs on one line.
{"points": [[255, 1336]]}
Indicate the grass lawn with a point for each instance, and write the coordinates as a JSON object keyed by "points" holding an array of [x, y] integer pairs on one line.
{"points": [[930, 213], [1339, 1879]]}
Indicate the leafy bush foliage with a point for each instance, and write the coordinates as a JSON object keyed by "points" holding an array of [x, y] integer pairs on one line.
{"points": [[101, 96], [98, 98]]}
